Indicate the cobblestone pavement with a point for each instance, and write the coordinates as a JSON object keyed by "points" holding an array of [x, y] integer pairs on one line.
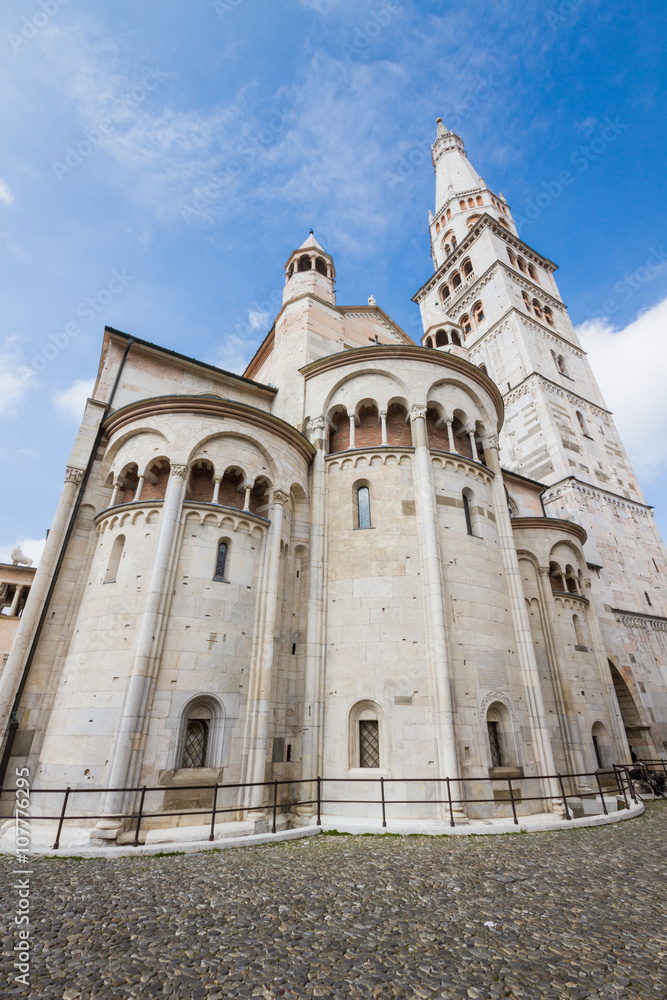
{"points": [[564, 914]]}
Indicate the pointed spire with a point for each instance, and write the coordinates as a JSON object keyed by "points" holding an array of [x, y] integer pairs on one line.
{"points": [[311, 243]]}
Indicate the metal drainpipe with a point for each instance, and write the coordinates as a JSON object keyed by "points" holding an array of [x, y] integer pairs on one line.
{"points": [[13, 726]]}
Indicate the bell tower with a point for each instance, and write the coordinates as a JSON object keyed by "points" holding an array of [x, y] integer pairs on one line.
{"points": [[310, 269]]}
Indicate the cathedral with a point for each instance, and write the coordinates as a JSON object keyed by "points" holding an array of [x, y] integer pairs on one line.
{"points": [[363, 558]]}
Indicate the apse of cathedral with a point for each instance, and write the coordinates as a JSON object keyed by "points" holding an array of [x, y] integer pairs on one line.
{"points": [[364, 557]]}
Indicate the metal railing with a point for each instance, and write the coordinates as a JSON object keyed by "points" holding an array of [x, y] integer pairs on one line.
{"points": [[455, 788]]}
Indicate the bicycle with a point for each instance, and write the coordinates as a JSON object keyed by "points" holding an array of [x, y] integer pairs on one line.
{"points": [[646, 784]]}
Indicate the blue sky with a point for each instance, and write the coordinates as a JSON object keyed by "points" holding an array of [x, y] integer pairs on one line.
{"points": [[161, 160]]}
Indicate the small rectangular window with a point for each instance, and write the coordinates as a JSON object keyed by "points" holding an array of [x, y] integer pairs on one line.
{"points": [[466, 511], [369, 743], [278, 755], [221, 562], [196, 739]]}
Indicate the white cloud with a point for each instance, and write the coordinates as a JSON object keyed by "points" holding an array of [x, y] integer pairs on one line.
{"points": [[6, 196], [72, 401], [31, 547], [14, 377], [630, 366], [321, 6]]}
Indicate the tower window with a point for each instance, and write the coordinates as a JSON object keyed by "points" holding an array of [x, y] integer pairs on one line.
{"points": [[441, 338], [462, 204], [304, 264], [466, 513], [467, 268], [196, 740], [537, 308], [526, 301], [456, 340], [479, 200], [548, 315], [444, 292], [493, 729], [532, 272], [456, 279], [221, 562], [466, 323], [320, 265], [114, 559], [512, 258], [364, 507], [648, 599], [478, 312], [369, 743]]}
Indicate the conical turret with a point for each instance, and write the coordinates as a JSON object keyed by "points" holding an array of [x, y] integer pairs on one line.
{"points": [[310, 269]]}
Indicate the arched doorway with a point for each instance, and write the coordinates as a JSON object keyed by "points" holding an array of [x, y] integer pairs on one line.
{"points": [[637, 731]]}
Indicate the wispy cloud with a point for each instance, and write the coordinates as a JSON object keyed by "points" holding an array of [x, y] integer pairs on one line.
{"points": [[72, 401], [6, 196], [630, 366], [14, 377]]}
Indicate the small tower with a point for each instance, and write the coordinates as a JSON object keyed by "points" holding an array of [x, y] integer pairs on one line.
{"points": [[310, 269]]}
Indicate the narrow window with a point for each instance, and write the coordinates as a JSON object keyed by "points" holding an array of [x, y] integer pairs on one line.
{"points": [[196, 740], [466, 324], [578, 632], [114, 560], [648, 599], [456, 339], [320, 265], [467, 268], [221, 562], [466, 511], [364, 507], [493, 729], [478, 312], [369, 743], [548, 315], [456, 279], [444, 293], [598, 751]]}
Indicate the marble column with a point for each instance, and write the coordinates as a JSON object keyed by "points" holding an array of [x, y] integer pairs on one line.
{"points": [[450, 436], [11, 675], [568, 724], [15, 601], [216, 489], [438, 656], [383, 420], [525, 651], [351, 418], [131, 722], [262, 666], [313, 709], [140, 486]]}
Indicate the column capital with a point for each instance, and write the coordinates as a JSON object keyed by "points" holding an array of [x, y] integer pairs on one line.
{"points": [[73, 475], [491, 442], [417, 412], [217, 479], [317, 425], [280, 496], [382, 413], [179, 470], [543, 570]]}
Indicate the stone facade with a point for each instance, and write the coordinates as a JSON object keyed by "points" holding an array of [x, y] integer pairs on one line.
{"points": [[362, 558]]}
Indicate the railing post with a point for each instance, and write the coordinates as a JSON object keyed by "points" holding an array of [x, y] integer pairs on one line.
{"points": [[631, 786], [449, 799], [56, 844], [211, 835], [384, 812], [562, 792], [511, 791], [319, 801], [621, 786], [135, 842], [604, 804], [275, 805]]}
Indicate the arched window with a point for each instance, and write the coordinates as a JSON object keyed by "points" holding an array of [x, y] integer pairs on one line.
{"points": [[503, 223], [456, 339], [472, 221], [444, 292], [363, 507], [478, 312], [483, 368], [456, 279], [578, 631], [304, 263], [366, 735], [548, 315], [441, 338], [465, 323], [462, 204], [114, 559], [467, 498], [526, 301], [601, 748], [499, 732], [320, 265], [522, 265], [560, 364], [479, 200], [196, 743], [467, 268], [221, 561], [582, 423], [448, 214], [532, 272], [512, 257], [537, 309], [437, 227]]}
